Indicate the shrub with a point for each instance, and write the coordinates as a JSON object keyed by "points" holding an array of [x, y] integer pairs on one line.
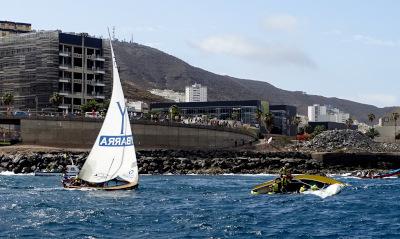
{"points": [[372, 133]]}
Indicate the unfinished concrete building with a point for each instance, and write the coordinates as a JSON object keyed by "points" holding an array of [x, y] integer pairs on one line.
{"points": [[35, 65], [9, 28]]}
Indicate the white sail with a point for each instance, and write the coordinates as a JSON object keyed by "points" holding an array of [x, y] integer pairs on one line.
{"points": [[113, 154]]}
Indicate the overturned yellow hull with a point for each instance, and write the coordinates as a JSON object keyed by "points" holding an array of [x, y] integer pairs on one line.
{"points": [[296, 183]]}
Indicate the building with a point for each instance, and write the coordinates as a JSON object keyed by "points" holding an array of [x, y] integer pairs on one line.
{"points": [[361, 126], [388, 127], [35, 65], [328, 125], [9, 28], [323, 113], [244, 111], [137, 106], [169, 94], [196, 93], [283, 119], [388, 119]]}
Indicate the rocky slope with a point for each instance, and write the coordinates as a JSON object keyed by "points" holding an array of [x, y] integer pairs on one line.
{"points": [[143, 68]]}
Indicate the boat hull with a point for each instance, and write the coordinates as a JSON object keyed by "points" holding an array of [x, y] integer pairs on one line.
{"points": [[296, 183], [127, 186]]}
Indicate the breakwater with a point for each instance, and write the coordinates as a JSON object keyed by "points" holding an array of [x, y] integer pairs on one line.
{"points": [[209, 162]]}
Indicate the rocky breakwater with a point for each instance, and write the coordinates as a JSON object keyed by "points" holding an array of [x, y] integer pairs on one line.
{"points": [[349, 141], [347, 150], [170, 161]]}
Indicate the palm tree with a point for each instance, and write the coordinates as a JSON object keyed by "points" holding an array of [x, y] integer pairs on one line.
{"points": [[90, 106], [349, 122], [235, 115], [296, 121], [395, 116], [55, 99], [269, 121], [259, 116], [371, 118], [174, 112], [8, 99]]}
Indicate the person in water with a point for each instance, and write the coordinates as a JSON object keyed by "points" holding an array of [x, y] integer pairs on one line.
{"points": [[277, 186]]}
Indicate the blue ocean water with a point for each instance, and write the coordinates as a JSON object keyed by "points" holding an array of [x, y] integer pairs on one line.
{"points": [[196, 207]]}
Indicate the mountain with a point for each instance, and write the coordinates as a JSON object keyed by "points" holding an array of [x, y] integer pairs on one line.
{"points": [[143, 68]]}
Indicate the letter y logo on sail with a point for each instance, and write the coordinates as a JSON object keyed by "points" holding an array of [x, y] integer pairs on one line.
{"points": [[122, 116], [117, 140]]}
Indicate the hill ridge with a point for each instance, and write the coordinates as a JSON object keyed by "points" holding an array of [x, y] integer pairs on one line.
{"points": [[143, 68]]}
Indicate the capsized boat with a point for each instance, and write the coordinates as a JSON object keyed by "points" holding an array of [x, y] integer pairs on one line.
{"points": [[111, 163], [307, 181]]}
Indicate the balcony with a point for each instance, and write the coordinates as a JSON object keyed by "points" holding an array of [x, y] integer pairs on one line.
{"points": [[95, 57], [64, 106], [99, 58], [64, 53], [77, 55], [64, 92], [96, 95], [64, 67], [64, 80], [96, 82], [98, 70], [79, 81]]}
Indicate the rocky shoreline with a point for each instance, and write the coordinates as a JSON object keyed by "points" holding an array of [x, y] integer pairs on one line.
{"points": [[206, 162]]}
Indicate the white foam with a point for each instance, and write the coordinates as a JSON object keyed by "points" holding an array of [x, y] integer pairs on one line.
{"points": [[250, 175], [9, 173], [326, 192]]}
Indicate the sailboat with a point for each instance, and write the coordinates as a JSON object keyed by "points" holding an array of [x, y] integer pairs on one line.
{"points": [[111, 163]]}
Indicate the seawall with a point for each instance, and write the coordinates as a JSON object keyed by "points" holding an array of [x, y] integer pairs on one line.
{"points": [[83, 133]]}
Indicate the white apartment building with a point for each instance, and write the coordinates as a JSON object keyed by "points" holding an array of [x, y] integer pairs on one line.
{"points": [[169, 94], [137, 106], [323, 113], [196, 93]]}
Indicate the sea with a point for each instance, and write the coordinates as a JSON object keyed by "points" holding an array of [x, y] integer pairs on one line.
{"points": [[196, 206]]}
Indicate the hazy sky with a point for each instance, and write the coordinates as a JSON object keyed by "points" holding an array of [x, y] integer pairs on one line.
{"points": [[342, 48]]}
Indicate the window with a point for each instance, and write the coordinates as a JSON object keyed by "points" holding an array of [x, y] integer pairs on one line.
{"points": [[77, 101], [78, 50], [77, 88], [77, 62], [78, 76]]}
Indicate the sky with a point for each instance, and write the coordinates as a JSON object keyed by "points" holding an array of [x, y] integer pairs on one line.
{"points": [[342, 48]]}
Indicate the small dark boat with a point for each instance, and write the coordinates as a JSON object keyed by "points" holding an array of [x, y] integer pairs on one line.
{"points": [[370, 174], [297, 184]]}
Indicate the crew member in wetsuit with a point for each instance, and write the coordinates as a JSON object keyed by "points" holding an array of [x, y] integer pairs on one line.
{"points": [[277, 186], [285, 175]]}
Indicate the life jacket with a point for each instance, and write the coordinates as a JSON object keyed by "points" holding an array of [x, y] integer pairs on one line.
{"points": [[276, 187]]}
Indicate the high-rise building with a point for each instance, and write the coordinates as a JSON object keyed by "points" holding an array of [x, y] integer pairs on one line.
{"points": [[323, 113], [35, 65], [196, 93]]}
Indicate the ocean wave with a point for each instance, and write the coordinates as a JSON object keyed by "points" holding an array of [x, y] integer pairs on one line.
{"points": [[10, 173]]}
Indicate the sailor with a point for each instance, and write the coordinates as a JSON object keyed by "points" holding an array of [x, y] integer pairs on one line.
{"points": [[277, 186], [285, 175], [285, 170]]}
